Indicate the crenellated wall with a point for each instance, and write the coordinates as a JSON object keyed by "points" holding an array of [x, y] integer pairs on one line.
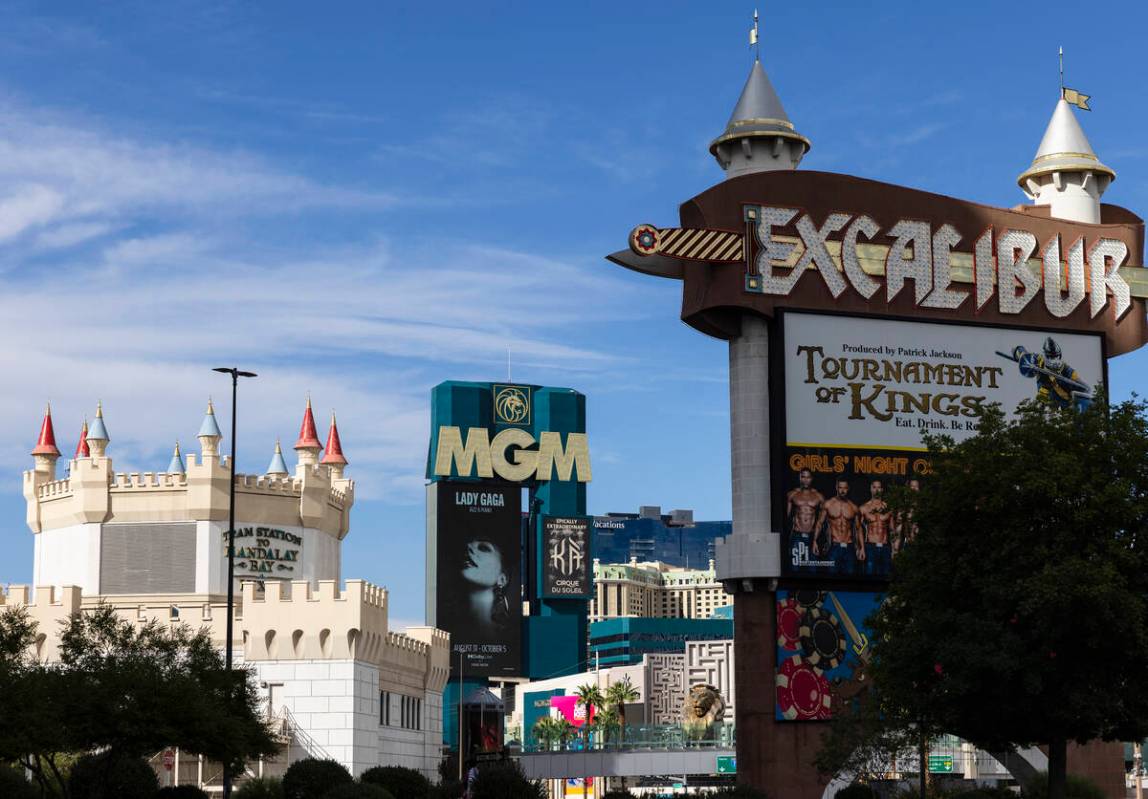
{"points": [[94, 493]]}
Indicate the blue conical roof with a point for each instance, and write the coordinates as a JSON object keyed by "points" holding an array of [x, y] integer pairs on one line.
{"points": [[277, 465], [176, 465], [98, 432], [209, 427]]}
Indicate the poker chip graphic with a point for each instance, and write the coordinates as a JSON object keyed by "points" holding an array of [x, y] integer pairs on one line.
{"points": [[808, 599], [802, 693], [789, 624], [822, 642]]}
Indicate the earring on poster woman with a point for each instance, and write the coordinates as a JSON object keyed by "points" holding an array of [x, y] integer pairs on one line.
{"points": [[500, 612]]}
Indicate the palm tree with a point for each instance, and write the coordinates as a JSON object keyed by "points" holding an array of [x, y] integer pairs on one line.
{"points": [[617, 695], [589, 696], [545, 731]]}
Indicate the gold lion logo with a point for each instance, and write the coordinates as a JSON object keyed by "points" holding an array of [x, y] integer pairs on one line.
{"points": [[511, 405]]}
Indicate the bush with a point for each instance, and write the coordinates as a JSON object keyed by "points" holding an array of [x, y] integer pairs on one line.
{"points": [[505, 781], [447, 789], [857, 790], [312, 778], [400, 781], [181, 792], [260, 788], [358, 790], [14, 786], [112, 776], [1076, 787], [986, 793], [739, 792]]}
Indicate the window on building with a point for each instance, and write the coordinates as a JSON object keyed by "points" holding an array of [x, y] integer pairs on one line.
{"points": [[385, 708]]}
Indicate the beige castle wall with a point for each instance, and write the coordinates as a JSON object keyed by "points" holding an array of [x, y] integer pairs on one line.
{"points": [[288, 622], [94, 493]]}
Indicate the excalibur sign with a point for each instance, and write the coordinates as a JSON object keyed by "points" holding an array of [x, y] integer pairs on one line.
{"points": [[858, 315], [847, 252]]}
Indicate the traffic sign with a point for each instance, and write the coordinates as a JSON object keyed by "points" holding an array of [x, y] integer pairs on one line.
{"points": [[727, 764], [940, 764]]}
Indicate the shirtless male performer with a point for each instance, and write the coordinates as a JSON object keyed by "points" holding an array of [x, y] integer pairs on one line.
{"points": [[803, 507], [845, 547], [906, 527], [876, 523]]}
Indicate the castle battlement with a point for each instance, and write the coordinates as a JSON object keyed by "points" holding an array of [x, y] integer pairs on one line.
{"points": [[56, 488], [142, 481]]}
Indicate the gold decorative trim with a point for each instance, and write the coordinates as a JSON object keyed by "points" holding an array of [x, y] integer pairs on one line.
{"points": [[1034, 172], [757, 134], [741, 123], [1086, 156]]}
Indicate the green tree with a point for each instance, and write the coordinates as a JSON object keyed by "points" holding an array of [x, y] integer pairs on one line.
{"points": [[312, 778], [505, 781], [358, 790], [124, 689], [400, 781], [591, 699], [110, 775], [1019, 615], [260, 788], [618, 694]]}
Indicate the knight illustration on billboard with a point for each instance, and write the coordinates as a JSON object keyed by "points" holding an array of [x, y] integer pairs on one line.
{"points": [[1056, 381]]}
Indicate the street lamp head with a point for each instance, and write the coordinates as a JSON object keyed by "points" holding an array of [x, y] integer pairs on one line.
{"points": [[230, 370]]}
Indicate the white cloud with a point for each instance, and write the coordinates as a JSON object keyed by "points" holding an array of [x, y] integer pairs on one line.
{"points": [[133, 267]]}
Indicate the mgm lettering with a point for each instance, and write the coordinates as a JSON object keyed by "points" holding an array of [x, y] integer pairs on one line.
{"points": [[513, 454], [272, 552]]}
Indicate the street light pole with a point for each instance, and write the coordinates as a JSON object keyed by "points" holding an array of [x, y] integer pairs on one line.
{"points": [[235, 375]]}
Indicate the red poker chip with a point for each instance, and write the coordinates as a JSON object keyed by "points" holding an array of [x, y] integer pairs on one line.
{"points": [[802, 693], [789, 624]]}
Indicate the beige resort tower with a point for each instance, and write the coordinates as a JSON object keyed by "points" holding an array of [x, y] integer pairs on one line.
{"points": [[337, 681]]}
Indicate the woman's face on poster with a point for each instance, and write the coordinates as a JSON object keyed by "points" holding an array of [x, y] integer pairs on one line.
{"points": [[483, 564]]}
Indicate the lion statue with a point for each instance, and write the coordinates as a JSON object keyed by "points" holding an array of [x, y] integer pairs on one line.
{"points": [[702, 708]]}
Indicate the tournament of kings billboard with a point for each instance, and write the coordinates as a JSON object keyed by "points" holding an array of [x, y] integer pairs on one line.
{"points": [[822, 651], [859, 392], [479, 574], [566, 550]]}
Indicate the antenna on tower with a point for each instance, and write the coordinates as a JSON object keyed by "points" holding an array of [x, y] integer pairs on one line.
{"points": [[753, 38], [1061, 55]]}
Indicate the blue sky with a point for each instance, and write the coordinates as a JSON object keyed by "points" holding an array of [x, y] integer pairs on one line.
{"points": [[363, 199]]}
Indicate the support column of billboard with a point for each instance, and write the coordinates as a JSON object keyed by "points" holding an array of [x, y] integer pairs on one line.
{"points": [[753, 549]]}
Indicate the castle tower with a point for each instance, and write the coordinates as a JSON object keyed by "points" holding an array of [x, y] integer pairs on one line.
{"points": [[1066, 175], [278, 466], [82, 450], [209, 435], [759, 136], [98, 439], [45, 453], [176, 465], [334, 457], [308, 446]]}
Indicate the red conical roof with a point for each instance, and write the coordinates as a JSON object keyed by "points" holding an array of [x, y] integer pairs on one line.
{"points": [[82, 450], [308, 438], [334, 446], [46, 444]]}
